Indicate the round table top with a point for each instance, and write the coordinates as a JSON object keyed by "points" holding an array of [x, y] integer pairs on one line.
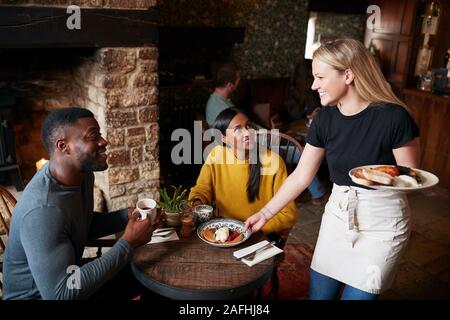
{"points": [[192, 269]]}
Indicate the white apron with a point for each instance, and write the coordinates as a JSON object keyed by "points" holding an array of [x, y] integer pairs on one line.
{"points": [[362, 237]]}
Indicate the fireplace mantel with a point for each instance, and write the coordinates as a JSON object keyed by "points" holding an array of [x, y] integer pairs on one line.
{"points": [[45, 27]]}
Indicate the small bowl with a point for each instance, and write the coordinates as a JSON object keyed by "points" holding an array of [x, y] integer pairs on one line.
{"points": [[204, 212]]}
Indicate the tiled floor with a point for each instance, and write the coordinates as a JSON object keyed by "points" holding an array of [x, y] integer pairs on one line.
{"points": [[424, 272]]}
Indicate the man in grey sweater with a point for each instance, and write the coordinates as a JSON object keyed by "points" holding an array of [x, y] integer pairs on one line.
{"points": [[54, 218]]}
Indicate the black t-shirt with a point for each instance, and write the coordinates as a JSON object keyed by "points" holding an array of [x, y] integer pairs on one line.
{"points": [[365, 138]]}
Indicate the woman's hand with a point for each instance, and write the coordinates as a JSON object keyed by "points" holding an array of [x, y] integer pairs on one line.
{"points": [[196, 202], [255, 222]]}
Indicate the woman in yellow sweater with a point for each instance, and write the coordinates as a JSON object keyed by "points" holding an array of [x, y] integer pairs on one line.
{"points": [[238, 185]]}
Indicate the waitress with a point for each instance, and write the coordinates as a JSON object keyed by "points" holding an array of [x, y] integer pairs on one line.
{"points": [[364, 232]]}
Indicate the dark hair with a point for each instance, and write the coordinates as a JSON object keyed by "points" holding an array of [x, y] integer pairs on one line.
{"points": [[59, 119], [254, 179], [227, 73]]}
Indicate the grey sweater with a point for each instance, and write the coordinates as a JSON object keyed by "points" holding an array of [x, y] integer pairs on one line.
{"points": [[49, 229]]}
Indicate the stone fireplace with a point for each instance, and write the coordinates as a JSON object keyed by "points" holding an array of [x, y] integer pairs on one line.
{"points": [[118, 84]]}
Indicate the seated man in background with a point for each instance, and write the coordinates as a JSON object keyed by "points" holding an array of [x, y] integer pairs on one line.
{"points": [[54, 219], [227, 80]]}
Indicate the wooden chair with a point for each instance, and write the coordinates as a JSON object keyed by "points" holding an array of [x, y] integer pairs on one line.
{"points": [[7, 204], [289, 149]]}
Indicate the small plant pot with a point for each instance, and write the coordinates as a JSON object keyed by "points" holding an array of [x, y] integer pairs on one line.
{"points": [[172, 219]]}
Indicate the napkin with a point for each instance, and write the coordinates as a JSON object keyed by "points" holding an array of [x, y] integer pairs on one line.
{"points": [[155, 239], [270, 251]]}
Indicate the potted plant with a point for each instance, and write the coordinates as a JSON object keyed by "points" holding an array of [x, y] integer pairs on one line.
{"points": [[172, 206]]}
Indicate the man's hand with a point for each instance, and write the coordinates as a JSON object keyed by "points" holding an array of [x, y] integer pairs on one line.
{"points": [[255, 222], [130, 212], [138, 232]]}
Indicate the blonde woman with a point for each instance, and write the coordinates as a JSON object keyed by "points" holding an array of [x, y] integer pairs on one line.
{"points": [[364, 232]]}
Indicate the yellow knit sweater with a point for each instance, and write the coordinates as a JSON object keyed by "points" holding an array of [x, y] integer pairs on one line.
{"points": [[226, 183]]}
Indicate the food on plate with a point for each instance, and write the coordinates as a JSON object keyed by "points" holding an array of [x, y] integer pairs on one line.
{"points": [[222, 234], [218, 235], [396, 176], [360, 179], [405, 181], [409, 172], [390, 170], [378, 176]]}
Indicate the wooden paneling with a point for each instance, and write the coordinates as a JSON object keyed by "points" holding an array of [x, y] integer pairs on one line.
{"points": [[432, 115], [394, 38], [391, 16], [443, 37]]}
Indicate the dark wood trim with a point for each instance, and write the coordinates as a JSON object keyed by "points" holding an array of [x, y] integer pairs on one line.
{"points": [[45, 27], [200, 36], [432, 115]]}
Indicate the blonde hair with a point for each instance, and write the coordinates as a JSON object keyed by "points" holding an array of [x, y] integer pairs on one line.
{"points": [[370, 84]]}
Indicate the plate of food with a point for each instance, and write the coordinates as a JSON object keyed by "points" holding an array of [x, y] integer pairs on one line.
{"points": [[390, 177], [223, 232]]}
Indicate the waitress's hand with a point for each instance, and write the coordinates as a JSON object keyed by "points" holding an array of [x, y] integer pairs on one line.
{"points": [[255, 222]]}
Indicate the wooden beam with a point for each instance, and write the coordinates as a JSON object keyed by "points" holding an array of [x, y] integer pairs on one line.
{"points": [[45, 27]]}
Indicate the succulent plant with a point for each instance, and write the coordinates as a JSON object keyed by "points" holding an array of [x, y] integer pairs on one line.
{"points": [[175, 202]]}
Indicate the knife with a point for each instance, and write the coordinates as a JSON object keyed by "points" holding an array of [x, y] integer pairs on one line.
{"points": [[254, 253], [162, 231]]}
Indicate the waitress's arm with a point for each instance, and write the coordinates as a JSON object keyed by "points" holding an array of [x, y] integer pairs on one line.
{"points": [[295, 184], [408, 154]]}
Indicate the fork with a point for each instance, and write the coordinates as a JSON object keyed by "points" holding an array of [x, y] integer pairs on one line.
{"points": [[251, 256]]}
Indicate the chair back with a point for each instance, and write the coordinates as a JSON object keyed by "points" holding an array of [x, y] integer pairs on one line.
{"points": [[289, 150], [287, 147], [7, 204]]}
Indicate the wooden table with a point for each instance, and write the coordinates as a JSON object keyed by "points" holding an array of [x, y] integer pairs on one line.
{"points": [[192, 269]]}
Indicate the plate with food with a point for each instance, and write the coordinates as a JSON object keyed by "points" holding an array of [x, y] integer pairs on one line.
{"points": [[223, 232], [390, 177]]}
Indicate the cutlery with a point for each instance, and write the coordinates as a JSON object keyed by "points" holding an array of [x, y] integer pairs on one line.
{"points": [[252, 255], [165, 235], [163, 231]]}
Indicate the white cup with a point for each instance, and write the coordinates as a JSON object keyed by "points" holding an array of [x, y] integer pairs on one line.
{"points": [[146, 208]]}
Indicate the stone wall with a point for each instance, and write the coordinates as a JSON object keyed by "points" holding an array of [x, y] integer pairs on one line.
{"points": [[119, 85]]}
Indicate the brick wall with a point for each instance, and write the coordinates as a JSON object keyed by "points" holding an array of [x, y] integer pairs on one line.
{"points": [[119, 85]]}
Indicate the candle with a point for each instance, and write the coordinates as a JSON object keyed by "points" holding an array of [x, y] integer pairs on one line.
{"points": [[40, 163]]}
